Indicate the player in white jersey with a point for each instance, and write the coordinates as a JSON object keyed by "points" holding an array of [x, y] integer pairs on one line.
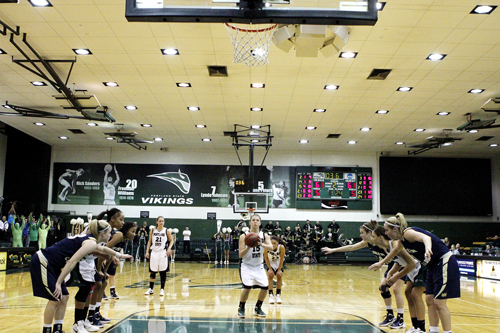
{"points": [[110, 187], [402, 260], [252, 272], [275, 260], [415, 282], [158, 237]]}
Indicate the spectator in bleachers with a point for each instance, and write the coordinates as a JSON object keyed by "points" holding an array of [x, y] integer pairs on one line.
{"points": [[334, 226], [269, 228], [446, 242], [488, 251], [307, 227], [454, 250], [278, 231], [3, 232], [26, 232], [329, 240], [459, 249], [60, 226], [496, 242], [318, 228], [51, 236], [288, 236], [34, 228]]}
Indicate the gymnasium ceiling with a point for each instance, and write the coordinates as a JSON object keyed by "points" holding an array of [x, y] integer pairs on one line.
{"points": [[407, 32]]}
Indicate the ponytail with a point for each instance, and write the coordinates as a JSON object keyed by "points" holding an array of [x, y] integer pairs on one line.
{"points": [[110, 213]]}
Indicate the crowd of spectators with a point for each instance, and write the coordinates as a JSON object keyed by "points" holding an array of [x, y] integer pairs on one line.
{"points": [[33, 231]]}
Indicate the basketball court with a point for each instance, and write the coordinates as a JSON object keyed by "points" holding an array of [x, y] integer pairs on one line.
{"points": [[203, 297]]}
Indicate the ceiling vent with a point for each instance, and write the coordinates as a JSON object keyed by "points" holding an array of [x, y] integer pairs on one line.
{"points": [[217, 71], [76, 131], [333, 136], [484, 138], [379, 74]]}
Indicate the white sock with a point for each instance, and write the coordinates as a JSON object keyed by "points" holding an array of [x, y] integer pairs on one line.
{"points": [[388, 307], [433, 329], [401, 311]]}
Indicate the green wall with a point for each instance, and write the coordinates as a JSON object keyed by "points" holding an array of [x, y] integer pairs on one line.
{"points": [[464, 233]]}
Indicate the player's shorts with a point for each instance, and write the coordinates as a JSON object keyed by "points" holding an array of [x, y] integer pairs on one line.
{"points": [[253, 276], [109, 202], [112, 268], [389, 267], [417, 275], [158, 261], [44, 277], [86, 270], [443, 278]]}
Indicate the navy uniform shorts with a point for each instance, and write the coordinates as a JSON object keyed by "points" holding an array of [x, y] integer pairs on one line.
{"points": [[44, 278], [443, 278]]}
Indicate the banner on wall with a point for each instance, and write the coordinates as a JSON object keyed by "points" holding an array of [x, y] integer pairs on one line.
{"points": [[165, 185], [488, 269]]}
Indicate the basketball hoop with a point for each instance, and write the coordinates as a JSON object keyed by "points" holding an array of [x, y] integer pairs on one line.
{"points": [[251, 46], [250, 212]]}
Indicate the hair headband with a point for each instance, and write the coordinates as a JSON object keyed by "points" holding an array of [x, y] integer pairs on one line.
{"points": [[392, 224], [364, 226], [103, 230]]}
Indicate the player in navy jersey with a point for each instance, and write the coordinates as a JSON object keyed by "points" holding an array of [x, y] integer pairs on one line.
{"points": [[115, 218], [252, 272], [117, 242], [49, 267], [443, 277], [394, 275], [365, 232]]}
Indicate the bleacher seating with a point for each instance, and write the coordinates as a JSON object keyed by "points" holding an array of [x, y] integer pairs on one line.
{"points": [[363, 255]]}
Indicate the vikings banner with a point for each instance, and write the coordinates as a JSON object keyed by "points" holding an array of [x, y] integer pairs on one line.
{"points": [[166, 185]]}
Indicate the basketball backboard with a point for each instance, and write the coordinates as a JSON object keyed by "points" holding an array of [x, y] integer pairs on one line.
{"points": [[245, 200], [319, 12]]}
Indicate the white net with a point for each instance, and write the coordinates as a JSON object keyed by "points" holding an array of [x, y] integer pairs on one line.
{"points": [[251, 46]]}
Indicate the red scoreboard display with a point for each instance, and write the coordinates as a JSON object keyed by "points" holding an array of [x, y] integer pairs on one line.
{"points": [[335, 183]]}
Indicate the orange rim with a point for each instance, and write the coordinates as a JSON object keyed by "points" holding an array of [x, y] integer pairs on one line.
{"points": [[250, 30]]}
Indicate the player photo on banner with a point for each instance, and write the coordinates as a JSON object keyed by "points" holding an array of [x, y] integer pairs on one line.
{"points": [[165, 185]]}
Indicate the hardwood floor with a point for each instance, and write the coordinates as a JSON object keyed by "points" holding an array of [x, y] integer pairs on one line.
{"points": [[202, 297]]}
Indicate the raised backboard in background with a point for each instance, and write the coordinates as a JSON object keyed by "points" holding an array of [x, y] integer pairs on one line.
{"points": [[322, 12]]}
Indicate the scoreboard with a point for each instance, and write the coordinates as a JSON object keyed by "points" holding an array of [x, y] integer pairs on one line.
{"points": [[346, 184]]}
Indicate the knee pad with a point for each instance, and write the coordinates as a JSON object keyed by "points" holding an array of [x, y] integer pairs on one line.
{"points": [[83, 293], [386, 294], [152, 275]]}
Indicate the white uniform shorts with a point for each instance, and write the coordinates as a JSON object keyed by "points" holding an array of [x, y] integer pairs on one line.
{"points": [[253, 276], [87, 269], [158, 261]]}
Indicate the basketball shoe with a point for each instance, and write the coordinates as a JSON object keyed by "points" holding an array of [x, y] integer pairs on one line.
{"points": [[389, 318]]}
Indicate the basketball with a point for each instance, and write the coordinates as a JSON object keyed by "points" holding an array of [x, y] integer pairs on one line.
{"points": [[108, 168], [252, 239]]}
